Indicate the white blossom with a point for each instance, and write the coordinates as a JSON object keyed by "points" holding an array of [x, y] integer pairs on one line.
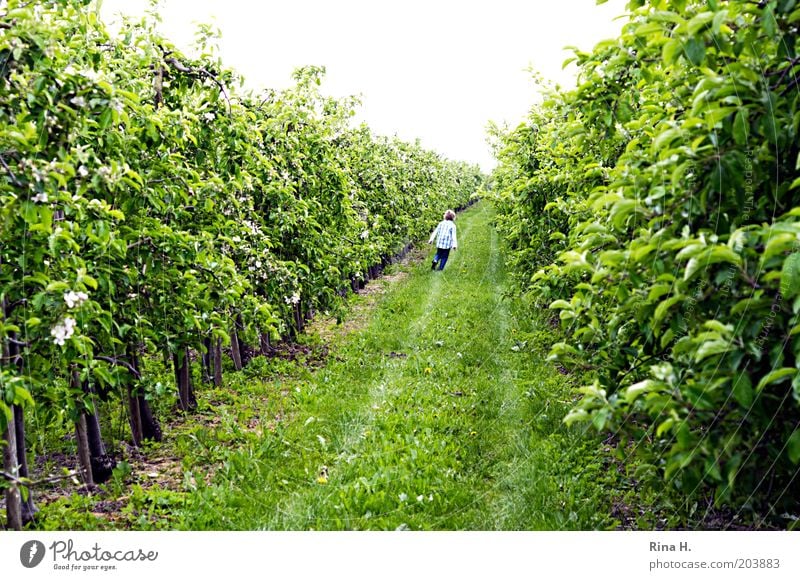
{"points": [[74, 299], [90, 74], [82, 171], [63, 330], [364, 234], [209, 116], [403, 496], [78, 101], [40, 198]]}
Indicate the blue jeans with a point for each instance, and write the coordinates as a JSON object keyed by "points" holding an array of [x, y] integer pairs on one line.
{"points": [[441, 256]]}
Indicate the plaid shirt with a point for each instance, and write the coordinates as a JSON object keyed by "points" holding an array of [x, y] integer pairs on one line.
{"points": [[445, 234]]}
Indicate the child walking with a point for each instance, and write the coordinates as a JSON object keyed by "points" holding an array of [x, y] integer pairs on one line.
{"points": [[445, 235]]}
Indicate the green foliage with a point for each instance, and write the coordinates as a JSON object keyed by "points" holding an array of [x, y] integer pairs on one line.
{"points": [[424, 417], [654, 209], [147, 203]]}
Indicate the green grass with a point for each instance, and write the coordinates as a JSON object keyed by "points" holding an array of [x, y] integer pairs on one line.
{"points": [[440, 413]]}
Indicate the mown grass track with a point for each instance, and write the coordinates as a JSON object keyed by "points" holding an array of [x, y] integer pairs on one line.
{"points": [[438, 412]]}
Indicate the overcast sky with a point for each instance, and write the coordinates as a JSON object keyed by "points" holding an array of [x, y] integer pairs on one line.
{"points": [[437, 70]]}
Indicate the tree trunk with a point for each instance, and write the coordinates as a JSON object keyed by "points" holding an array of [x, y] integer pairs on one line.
{"points": [[158, 88], [218, 362], [183, 379], [11, 466], [143, 424], [263, 339], [28, 508], [208, 374], [298, 318], [96, 445], [84, 455], [11, 352], [101, 464], [236, 353], [10, 461], [245, 353], [151, 430], [135, 412]]}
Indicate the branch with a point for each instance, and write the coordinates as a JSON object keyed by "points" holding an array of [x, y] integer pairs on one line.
{"points": [[14, 179], [789, 67], [10, 307], [12, 359], [140, 242], [28, 483], [209, 272], [158, 83], [201, 72], [120, 363]]}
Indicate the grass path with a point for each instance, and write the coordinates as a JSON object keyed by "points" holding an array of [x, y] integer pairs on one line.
{"points": [[435, 415], [437, 411]]}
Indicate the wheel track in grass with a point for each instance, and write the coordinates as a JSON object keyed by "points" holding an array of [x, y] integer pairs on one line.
{"points": [[423, 418], [393, 386]]}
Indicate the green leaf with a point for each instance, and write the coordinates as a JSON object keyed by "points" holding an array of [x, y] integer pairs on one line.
{"points": [[793, 447], [743, 390], [719, 20], [663, 308], [57, 287], [740, 127], [716, 325], [106, 117], [640, 388], [776, 376], [665, 426], [715, 115], [695, 50], [699, 22], [671, 51], [712, 255], [778, 244], [712, 347], [790, 276], [691, 251], [576, 416], [23, 397]]}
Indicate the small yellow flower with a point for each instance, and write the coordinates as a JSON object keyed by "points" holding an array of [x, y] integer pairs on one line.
{"points": [[428, 370], [473, 433], [322, 480]]}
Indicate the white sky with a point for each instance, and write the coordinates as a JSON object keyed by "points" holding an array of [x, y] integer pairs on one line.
{"points": [[436, 70]]}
